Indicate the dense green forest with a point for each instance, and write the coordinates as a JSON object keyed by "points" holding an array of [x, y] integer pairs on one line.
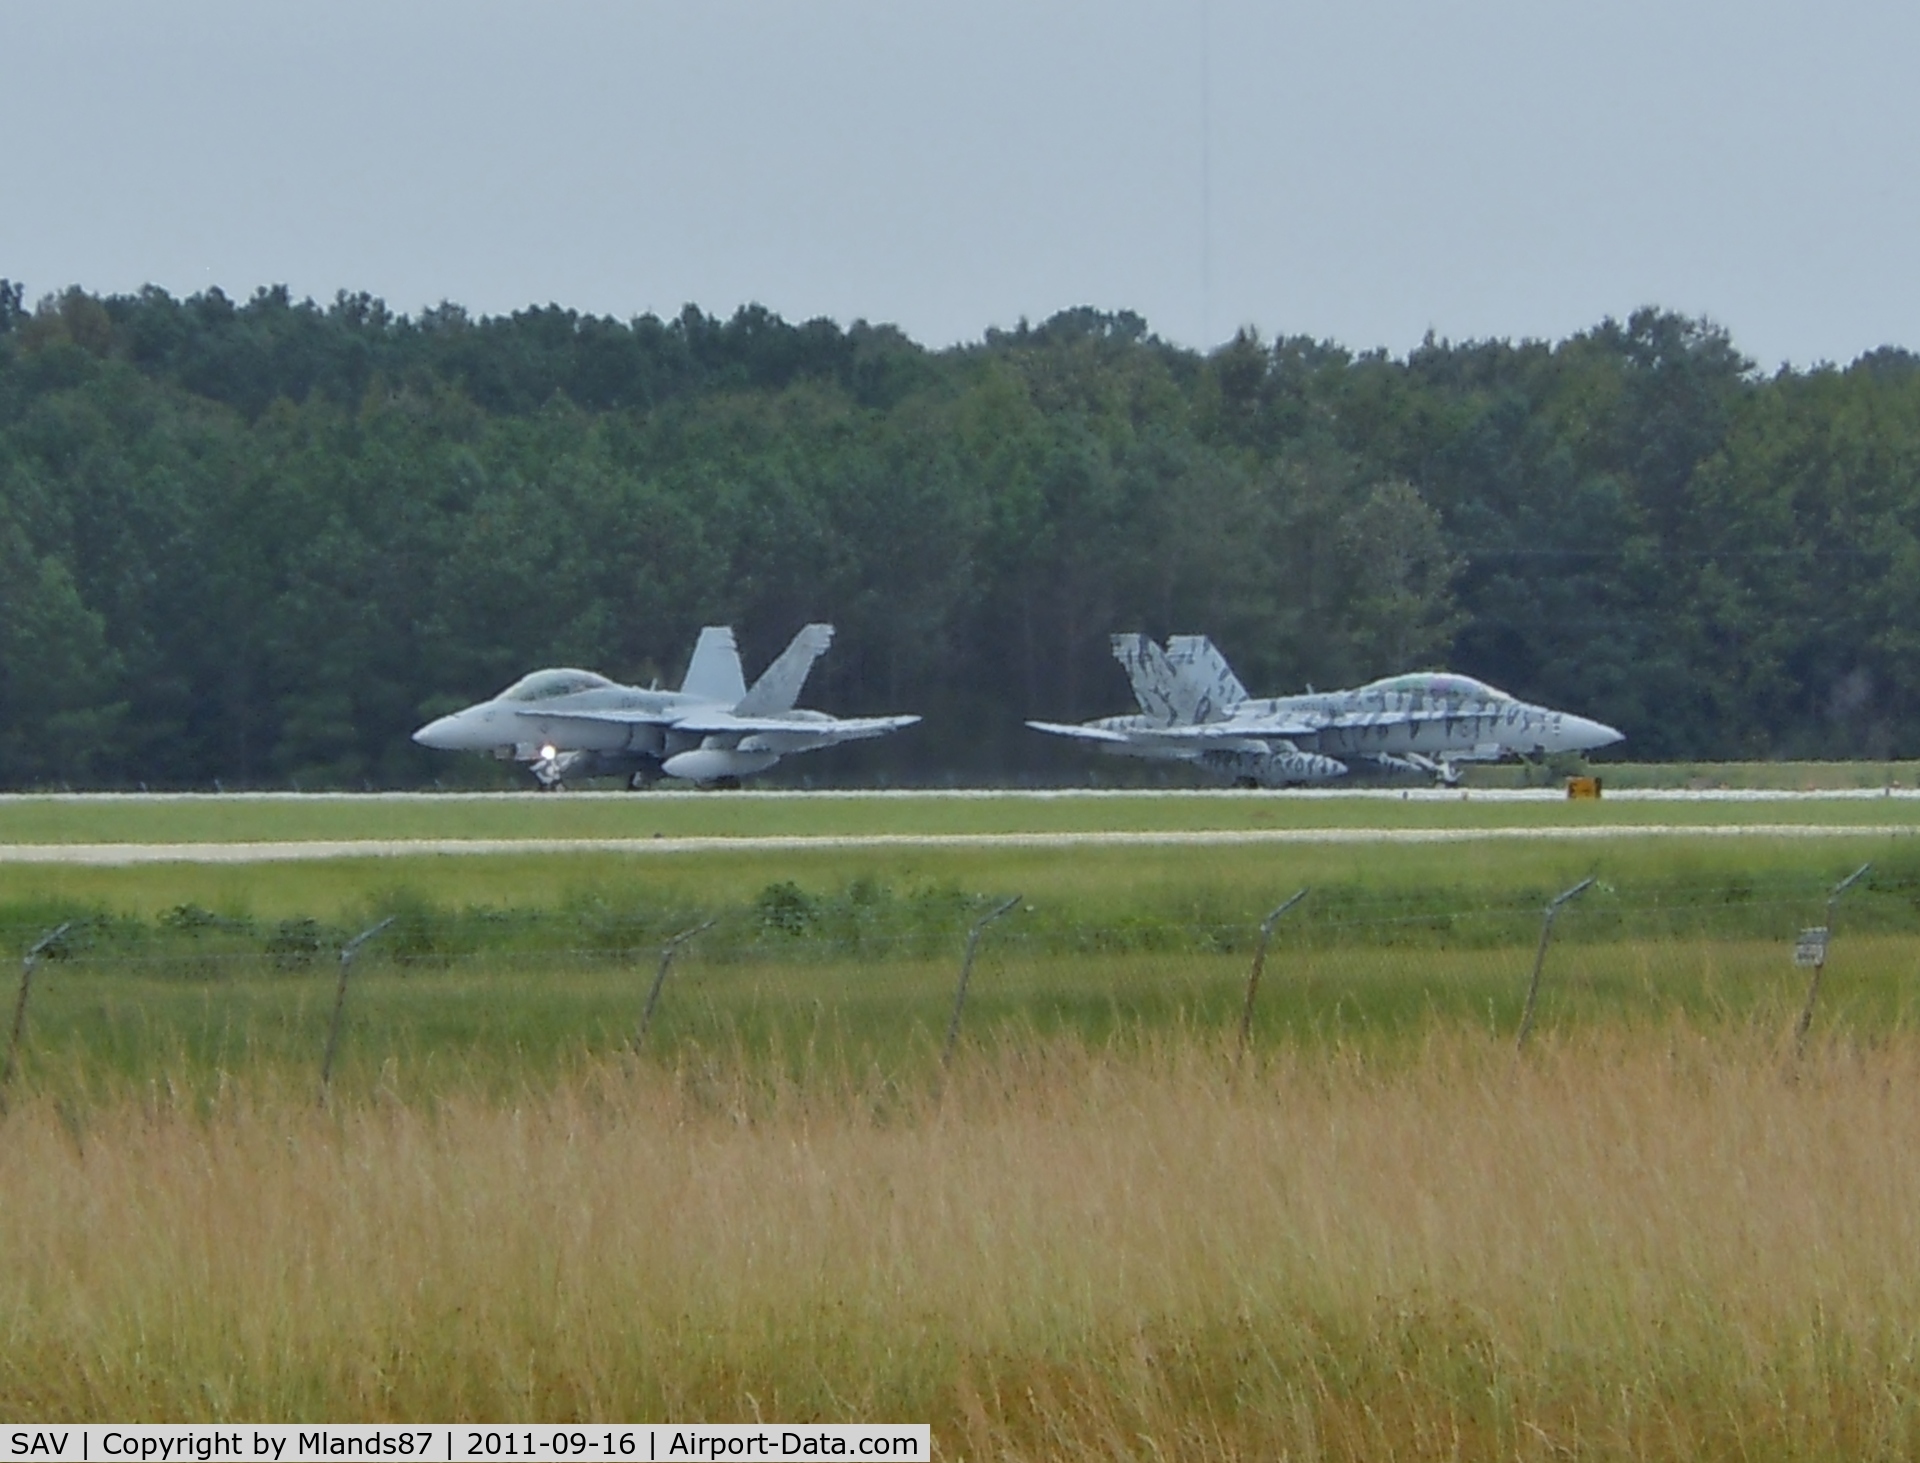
{"points": [[259, 542]]}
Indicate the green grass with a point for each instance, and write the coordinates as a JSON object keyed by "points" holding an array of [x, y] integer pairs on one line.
{"points": [[513, 969], [502, 1026], [1792, 776], [1087, 885]]}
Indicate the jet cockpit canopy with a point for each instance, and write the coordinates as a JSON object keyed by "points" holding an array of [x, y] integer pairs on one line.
{"points": [[546, 685], [1438, 683]]}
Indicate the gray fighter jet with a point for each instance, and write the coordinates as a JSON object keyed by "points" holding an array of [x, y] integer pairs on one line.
{"points": [[1194, 709], [712, 731]]}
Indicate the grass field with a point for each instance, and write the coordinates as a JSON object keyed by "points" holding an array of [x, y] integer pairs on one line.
{"points": [[507, 1028], [1792, 776], [1639, 1243], [513, 966], [1658, 1233]]}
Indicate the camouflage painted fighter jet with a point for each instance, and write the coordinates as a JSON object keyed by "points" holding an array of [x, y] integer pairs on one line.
{"points": [[1194, 709], [712, 731]]}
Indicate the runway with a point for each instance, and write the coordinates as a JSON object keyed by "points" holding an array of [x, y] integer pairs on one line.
{"points": [[1421, 794], [120, 854]]}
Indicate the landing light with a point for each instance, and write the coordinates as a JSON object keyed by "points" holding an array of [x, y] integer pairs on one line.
{"points": [[547, 752]]}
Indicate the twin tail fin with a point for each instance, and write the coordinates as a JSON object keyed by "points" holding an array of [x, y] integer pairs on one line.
{"points": [[1187, 683]]}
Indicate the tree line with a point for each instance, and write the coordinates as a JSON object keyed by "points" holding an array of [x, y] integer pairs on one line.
{"points": [[259, 542]]}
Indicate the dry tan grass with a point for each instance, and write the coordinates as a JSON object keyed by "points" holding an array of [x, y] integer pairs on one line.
{"points": [[1651, 1244]]}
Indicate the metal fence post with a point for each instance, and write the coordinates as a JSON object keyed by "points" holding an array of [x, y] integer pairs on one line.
{"points": [[1259, 964], [667, 952], [347, 952], [966, 971], [1540, 955], [1805, 1023], [20, 1006]]}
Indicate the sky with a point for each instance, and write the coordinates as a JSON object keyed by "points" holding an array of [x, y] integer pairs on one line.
{"points": [[1363, 172]]}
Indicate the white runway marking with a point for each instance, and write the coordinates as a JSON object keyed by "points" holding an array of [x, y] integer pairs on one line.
{"points": [[110, 854]]}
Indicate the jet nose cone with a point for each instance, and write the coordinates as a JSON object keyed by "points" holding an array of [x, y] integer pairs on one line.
{"points": [[1584, 735], [439, 734]]}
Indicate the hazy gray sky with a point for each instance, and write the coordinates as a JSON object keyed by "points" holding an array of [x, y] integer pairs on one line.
{"points": [[1359, 171]]}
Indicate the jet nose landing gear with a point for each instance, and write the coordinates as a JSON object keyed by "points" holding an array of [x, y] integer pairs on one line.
{"points": [[551, 767]]}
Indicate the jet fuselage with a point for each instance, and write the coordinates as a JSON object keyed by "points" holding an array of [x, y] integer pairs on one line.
{"points": [[713, 730], [1195, 710]]}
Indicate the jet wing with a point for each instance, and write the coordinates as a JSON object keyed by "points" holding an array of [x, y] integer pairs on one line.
{"points": [[833, 728], [1184, 742], [629, 717], [784, 734], [815, 729], [1190, 735], [1247, 730], [1084, 733], [1241, 729], [855, 728]]}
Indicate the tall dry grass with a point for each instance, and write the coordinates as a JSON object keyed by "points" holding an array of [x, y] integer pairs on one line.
{"points": [[1658, 1243]]}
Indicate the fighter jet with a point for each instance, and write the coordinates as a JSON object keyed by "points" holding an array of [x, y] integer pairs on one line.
{"points": [[1194, 709], [712, 731]]}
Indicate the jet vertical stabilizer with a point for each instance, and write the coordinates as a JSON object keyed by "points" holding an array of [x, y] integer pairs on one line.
{"points": [[1206, 689], [1153, 679], [779, 685], [714, 672]]}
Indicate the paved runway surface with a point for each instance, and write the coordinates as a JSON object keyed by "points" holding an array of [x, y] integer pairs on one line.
{"points": [[242, 853], [1424, 794]]}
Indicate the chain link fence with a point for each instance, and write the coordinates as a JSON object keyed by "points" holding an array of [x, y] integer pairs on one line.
{"points": [[864, 975]]}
